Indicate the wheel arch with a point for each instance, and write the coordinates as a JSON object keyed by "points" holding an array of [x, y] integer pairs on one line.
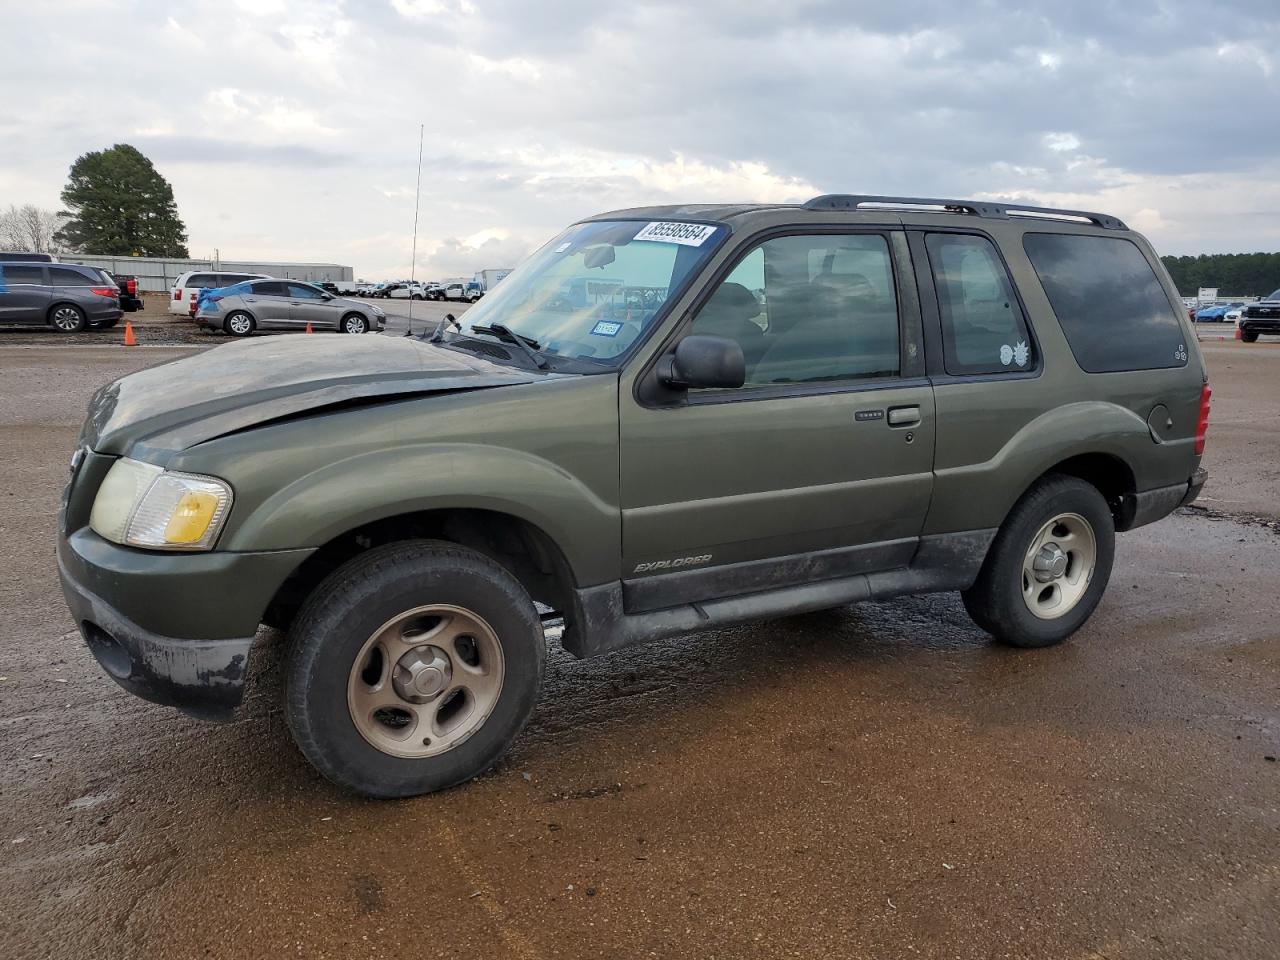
{"points": [[1110, 474], [522, 547]]}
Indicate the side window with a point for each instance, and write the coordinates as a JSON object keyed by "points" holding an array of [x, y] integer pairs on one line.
{"points": [[810, 309], [983, 329], [1112, 307], [62, 277], [269, 288], [200, 281], [303, 291], [15, 274]]}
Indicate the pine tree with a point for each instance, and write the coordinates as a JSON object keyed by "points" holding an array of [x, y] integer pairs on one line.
{"points": [[118, 204]]}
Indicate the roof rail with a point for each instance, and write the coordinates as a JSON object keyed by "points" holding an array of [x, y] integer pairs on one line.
{"points": [[989, 209]]}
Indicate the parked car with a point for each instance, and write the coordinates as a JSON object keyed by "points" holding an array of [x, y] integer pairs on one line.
{"points": [[1215, 313], [254, 305], [901, 414], [186, 289], [415, 290], [1234, 314], [64, 296], [1261, 317], [467, 292], [127, 284], [25, 256]]}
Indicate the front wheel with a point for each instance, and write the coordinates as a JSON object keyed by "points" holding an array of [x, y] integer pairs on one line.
{"points": [[1249, 336], [354, 323], [1047, 567], [412, 668]]}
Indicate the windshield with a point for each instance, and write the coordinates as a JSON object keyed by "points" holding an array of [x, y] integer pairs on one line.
{"points": [[1275, 295], [593, 290]]}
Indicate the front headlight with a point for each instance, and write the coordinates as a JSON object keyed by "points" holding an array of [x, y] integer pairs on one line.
{"points": [[143, 505]]}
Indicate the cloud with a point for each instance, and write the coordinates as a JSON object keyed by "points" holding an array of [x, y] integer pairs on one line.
{"points": [[290, 127]]}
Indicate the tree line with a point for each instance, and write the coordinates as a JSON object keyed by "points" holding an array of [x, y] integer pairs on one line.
{"points": [[117, 204], [1234, 274]]}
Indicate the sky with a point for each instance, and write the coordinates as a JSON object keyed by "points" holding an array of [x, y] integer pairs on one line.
{"points": [[289, 128]]}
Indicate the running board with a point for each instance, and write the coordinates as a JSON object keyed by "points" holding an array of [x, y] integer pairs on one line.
{"points": [[599, 622]]}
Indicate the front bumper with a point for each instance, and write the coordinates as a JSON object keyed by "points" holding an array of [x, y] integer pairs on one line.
{"points": [[175, 629], [1260, 324]]}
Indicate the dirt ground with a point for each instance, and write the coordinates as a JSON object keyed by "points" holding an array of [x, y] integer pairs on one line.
{"points": [[875, 781]]}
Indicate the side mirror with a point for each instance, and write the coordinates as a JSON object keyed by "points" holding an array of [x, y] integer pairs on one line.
{"points": [[700, 361]]}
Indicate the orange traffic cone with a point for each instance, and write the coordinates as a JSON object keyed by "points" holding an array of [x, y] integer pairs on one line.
{"points": [[1239, 335], [129, 339], [308, 326]]}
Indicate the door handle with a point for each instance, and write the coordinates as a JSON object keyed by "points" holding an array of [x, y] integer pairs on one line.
{"points": [[904, 416]]}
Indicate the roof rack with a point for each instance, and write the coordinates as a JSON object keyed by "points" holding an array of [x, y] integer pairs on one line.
{"points": [[978, 208]]}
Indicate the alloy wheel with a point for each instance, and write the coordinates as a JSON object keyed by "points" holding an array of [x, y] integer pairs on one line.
{"points": [[425, 681], [1058, 566]]}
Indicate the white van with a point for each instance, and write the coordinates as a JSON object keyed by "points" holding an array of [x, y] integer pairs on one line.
{"points": [[188, 286]]}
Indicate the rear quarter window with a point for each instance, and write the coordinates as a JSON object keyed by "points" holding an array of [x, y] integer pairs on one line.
{"points": [[62, 277], [200, 280], [1109, 302]]}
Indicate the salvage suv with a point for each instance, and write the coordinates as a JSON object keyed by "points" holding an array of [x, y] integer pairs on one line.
{"points": [[736, 412]]}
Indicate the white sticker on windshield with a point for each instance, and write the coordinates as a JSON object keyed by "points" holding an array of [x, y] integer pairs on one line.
{"points": [[686, 234], [562, 248]]}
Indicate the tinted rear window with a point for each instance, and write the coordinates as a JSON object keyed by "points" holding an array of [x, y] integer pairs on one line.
{"points": [[1111, 306], [200, 280], [13, 274], [62, 277]]}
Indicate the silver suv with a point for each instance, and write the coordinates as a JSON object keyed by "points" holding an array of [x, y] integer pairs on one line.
{"points": [[65, 296], [283, 305]]}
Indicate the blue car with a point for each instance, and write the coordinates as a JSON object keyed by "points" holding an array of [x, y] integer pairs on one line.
{"points": [[1215, 313]]}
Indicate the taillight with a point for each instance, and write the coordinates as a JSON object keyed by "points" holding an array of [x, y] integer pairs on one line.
{"points": [[132, 287], [105, 291], [1202, 425], [177, 294]]}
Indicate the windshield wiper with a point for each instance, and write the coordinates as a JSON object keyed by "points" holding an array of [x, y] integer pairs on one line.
{"points": [[438, 333], [529, 345]]}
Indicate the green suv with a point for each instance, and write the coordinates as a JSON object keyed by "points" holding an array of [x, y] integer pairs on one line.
{"points": [[666, 420]]}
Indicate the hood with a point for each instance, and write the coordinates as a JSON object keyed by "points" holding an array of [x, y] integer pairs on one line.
{"points": [[179, 404]]}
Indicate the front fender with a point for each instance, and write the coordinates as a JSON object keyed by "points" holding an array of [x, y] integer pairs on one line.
{"points": [[978, 496], [357, 490]]}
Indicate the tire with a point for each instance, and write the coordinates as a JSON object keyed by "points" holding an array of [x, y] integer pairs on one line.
{"points": [[354, 323], [67, 318], [417, 296], [1249, 336], [1005, 597], [377, 595], [239, 324]]}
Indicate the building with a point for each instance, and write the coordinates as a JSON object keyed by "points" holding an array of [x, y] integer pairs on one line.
{"points": [[157, 274]]}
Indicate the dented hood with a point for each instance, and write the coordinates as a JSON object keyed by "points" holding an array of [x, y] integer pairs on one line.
{"points": [[239, 385]]}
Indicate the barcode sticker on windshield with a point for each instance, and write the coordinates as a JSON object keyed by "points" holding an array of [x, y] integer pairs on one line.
{"points": [[686, 234]]}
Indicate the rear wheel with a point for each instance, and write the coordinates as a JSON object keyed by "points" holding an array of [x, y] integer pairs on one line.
{"points": [[412, 668], [1048, 565], [68, 318], [1249, 336], [354, 323], [239, 324]]}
